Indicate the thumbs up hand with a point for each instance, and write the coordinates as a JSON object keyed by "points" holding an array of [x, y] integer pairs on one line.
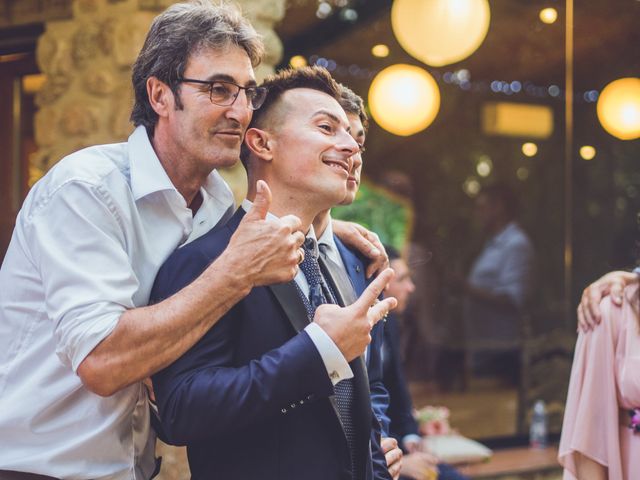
{"points": [[266, 250]]}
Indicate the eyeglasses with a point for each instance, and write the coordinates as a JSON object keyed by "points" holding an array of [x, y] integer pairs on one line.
{"points": [[223, 93]]}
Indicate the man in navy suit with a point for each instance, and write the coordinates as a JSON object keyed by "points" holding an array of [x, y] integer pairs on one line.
{"points": [[347, 262], [266, 393]]}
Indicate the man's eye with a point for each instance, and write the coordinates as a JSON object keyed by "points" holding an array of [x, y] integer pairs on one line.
{"points": [[219, 90], [326, 127]]}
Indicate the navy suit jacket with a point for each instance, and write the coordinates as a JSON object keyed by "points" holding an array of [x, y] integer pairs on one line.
{"points": [[252, 398]]}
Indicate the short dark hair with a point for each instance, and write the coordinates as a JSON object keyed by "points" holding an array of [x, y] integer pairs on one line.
{"points": [[175, 35], [352, 103], [504, 195], [315, 78], [392, 252]]}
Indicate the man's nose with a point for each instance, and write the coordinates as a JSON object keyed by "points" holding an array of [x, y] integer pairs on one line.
{"points": [[240, 110], [348, 145]]}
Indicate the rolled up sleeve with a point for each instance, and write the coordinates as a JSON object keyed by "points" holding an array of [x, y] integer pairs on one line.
{"points": [[77, 238]]}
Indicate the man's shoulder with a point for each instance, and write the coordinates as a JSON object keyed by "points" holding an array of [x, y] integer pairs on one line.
{"points": [[92, 164], [187, 262]]}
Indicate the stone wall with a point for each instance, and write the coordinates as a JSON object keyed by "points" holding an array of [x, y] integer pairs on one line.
{"points": [[86, 53]]}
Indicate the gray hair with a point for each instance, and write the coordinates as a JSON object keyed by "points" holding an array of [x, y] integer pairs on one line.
{"points": [[175, 35]]}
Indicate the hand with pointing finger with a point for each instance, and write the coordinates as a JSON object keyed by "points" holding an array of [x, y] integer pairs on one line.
{"points": [[350, 327], [267, 251]]}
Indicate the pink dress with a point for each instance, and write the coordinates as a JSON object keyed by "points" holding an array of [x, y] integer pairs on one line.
{"points": [[605, 383]]}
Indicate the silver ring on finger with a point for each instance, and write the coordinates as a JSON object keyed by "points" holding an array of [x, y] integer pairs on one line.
{"points": [[300, 255]]}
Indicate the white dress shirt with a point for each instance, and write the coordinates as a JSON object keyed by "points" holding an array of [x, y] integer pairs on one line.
{"points": [[337, 366], [87, 245]]}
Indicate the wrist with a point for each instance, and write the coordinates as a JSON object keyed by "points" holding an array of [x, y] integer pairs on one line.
{"points": [[233, 273]]}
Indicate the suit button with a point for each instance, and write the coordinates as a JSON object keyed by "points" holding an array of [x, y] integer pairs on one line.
{"points": [[301, 402], [293, 405], [310, 397], [284, 410], [358, 268]]}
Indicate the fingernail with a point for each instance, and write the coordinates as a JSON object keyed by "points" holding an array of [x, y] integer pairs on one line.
{"points": [[375, 251]]}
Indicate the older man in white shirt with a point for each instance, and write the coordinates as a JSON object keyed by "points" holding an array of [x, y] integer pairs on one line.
{"points": [[76, 336]]}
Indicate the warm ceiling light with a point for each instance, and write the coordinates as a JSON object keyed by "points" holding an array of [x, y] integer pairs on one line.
{"points": [[404, 99], [548, 15], [529, 149], [587, 152], [298, 61], [380, 50], [484, 166], [32, 84], [440, 32], [618, 108]]}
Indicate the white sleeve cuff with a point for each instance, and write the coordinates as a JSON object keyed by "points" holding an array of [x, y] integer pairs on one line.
{"points": [[337, 366]]}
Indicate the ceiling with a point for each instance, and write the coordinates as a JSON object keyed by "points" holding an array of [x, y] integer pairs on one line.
{"points": [[518, 46]]}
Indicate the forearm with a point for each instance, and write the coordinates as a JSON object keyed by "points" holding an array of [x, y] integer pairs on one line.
{"points": [[147, 339]]}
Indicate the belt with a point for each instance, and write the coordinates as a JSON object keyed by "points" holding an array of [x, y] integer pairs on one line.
{"points": [[11, 475]]}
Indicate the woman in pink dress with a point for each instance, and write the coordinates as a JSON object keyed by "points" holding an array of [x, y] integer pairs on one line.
{"points": [[600, 434]]}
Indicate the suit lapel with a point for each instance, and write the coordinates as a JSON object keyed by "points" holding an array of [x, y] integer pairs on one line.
{"points": [[355, 268], [289, 299], [339, 281]]}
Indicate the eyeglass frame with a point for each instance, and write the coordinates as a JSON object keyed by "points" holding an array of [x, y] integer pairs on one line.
{"points": [[210, 83]]}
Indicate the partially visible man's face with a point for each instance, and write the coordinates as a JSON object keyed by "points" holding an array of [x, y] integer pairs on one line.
{"points": [[353, 183], [203, 133], [312, 147], [401, 286]]}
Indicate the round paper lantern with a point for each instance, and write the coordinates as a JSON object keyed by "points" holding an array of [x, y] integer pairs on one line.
{"points": [[404, 99], [440, 32], [619, 108]]}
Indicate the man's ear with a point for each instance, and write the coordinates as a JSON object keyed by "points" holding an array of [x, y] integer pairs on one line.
{"points": [[160, 96], [260, 143]]}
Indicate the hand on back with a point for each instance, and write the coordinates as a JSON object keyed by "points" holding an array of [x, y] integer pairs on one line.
{"points": [[613, 284]]}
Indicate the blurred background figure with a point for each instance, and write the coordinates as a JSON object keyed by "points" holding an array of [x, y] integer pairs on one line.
{"points": [[417, 463], [497, 287]]}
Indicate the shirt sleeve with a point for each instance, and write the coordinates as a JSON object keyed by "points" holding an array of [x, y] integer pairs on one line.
{"points": [[516, 273], [78, 241], [337, 366]]}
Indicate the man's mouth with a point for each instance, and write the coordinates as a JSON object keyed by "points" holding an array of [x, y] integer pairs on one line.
{"points": [[230, 133], [338, 165]]}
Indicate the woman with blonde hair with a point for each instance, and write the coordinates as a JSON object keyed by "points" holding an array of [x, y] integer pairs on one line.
{"points": [[601, 430]]}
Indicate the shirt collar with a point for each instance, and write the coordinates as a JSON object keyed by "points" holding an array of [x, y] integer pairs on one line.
{"points": [[149, 176], [147, 173], [327, 237]]}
